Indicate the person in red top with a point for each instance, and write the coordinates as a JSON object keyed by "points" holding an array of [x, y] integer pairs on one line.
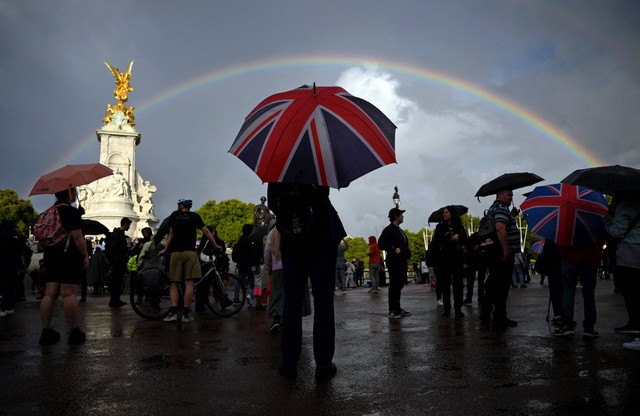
{"points": [[374, 263]]}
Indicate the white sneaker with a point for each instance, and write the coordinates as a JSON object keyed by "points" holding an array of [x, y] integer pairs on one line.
{"points": [[7, 312], [633, 345], [440, 302]]}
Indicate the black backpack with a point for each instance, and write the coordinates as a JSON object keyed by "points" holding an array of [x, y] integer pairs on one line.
{"points": [[490, 247]]}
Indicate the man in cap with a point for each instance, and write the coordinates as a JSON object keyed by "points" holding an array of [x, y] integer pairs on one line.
{"points": [[184, 263], [394, 241], [117, 252], [501, 267]]}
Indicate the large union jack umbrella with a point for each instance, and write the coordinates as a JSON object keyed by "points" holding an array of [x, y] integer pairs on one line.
{"points": [[323, 136], [566, 214]]}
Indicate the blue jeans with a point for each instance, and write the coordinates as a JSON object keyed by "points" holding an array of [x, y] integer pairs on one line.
{"points": [[245, 277], [341, 275], [517, 278], [570, 274]]}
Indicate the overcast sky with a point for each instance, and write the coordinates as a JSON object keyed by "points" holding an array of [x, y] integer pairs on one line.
{"points": [[470, 85]]}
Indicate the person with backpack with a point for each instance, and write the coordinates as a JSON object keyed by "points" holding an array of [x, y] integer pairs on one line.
{"points": [[500, 263], [184, 264], [310, 231], [117, 252], [66, 261], [244, 254]]}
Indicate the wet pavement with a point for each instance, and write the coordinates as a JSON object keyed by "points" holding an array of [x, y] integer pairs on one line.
{"points": [[422, 364]]}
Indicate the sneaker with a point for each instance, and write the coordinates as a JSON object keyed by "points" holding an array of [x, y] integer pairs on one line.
{"points": [[556, 321], [628, 329], [172, 317], [633, 345], [565, 331], [186, 316], [76, 337], [394, 315], [3, 314], [49, 336], [404, 313], [440, 302], [589, 333], [275, 324]]}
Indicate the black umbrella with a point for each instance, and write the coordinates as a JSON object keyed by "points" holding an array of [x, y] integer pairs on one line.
{"points": [[609, 180], [93, 227], [509, 181], [436, 216]]}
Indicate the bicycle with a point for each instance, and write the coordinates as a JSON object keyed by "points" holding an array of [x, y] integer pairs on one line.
{"points": [[149, 293]]}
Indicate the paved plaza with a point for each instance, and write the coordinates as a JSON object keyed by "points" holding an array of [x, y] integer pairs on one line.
{"points": [[424, 364]]}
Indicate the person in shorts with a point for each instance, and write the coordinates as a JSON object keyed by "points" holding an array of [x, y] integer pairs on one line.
{"points": [[184, 263], [65, 264]]}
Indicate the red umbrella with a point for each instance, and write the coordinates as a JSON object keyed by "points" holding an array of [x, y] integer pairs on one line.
{"points": [[323, 136], [68, 177]]}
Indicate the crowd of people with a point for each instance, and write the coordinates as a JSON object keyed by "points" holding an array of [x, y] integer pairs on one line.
{"points": [[303, 242]]}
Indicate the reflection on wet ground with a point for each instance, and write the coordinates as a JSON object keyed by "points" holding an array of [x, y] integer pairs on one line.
{"points": [[418, 365]]}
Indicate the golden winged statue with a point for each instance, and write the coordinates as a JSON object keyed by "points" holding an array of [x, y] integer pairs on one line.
{"points": [[120, 93]]}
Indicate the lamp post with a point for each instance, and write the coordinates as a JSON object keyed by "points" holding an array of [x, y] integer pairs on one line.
{"points": [[396, 197]]}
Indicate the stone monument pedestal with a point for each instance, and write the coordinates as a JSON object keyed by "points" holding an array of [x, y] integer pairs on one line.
{"points": [[125, 193]]}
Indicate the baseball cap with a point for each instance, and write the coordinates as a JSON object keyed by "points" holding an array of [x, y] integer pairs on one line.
{"points": [[394, 212]]}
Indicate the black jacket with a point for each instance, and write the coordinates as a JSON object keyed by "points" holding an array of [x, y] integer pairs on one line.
{"points": [[393, 237]]}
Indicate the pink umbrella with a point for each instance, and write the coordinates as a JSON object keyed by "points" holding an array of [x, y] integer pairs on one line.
{"points": [[68, 177]]}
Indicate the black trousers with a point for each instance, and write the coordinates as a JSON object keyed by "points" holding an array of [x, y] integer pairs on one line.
{"points": [[117, 281], [496, 289], [448, 275], [299, 263], [397, 278], [627, 279]]}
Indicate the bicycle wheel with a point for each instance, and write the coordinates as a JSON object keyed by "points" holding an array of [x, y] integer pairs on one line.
{"points": [[149, 293], [221, 298]]}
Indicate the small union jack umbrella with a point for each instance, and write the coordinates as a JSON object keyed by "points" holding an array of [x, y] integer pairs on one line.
{"points": [[323, 136], [568, 215], [537, 247]]}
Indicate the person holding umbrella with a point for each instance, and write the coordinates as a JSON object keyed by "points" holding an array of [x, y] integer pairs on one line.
{"points": [[310, 231], [450, 238], [65, 264], [501, 267]]}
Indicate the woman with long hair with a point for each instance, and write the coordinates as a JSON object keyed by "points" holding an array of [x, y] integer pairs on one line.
{"points": [[449, 240]]}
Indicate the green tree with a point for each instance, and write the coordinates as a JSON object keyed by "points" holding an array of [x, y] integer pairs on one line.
{"points": [[228, 216], [358, 247], [18, 210]]}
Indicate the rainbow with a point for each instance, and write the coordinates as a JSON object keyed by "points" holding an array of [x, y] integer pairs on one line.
{"points": [[548, 130]]}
